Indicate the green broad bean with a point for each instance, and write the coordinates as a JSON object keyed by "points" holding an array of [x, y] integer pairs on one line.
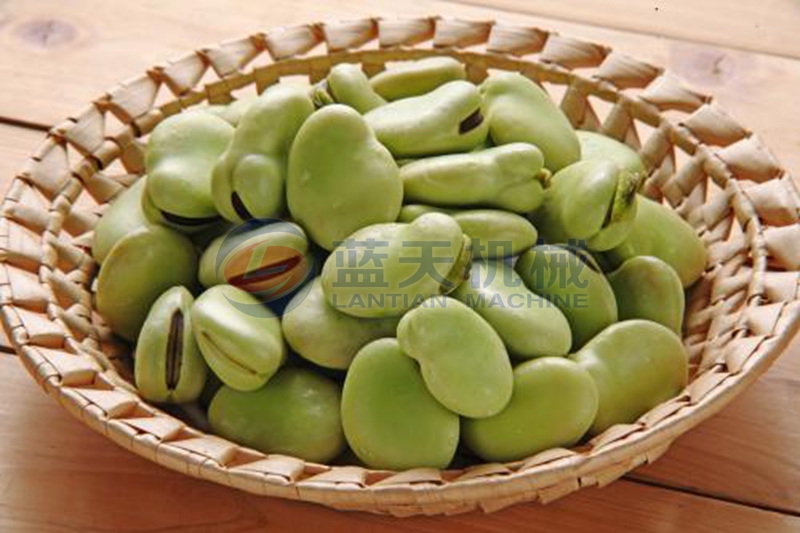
{"points": [[660, 232], [463, 360], [133, 276], [347, 84], [123, 216], [494, 233], [648, 288], [179, 161], [599, 146], [341, 178], [591, 201], [636, 365], [553, 405], [507, 177], [249, 178], [530, 325], [168, 366], [239, 337], [518, 110], [327, 337], [390, 419], [445, 120], [415, 78], [428, 257], [574, 285], [295, 414]]}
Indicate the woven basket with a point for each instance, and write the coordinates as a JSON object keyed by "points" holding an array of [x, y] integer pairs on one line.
{"points": [[712, 171]]}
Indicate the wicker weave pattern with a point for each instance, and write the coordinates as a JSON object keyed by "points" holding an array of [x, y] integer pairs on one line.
{"points": [[714, 172]]}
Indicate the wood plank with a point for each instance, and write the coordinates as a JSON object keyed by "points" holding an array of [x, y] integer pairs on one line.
{"points": [[758, 26], [59, 55], [56, 475]]}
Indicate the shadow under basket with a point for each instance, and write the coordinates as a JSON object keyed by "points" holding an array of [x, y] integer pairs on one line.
{"points": [[715, 173]]}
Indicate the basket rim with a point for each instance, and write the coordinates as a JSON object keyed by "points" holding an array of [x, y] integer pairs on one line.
{"points": [[544, 477]]}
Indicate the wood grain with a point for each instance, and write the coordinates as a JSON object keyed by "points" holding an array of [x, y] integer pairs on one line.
{"points": [[56, 475], [85, 47], [758, 26]]}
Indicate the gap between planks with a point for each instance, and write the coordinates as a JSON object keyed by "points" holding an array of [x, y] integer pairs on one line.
{"points": [[638, 479], [21, 123]]}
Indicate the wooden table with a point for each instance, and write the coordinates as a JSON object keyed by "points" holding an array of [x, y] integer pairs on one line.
{"points": [[739, 471]]}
